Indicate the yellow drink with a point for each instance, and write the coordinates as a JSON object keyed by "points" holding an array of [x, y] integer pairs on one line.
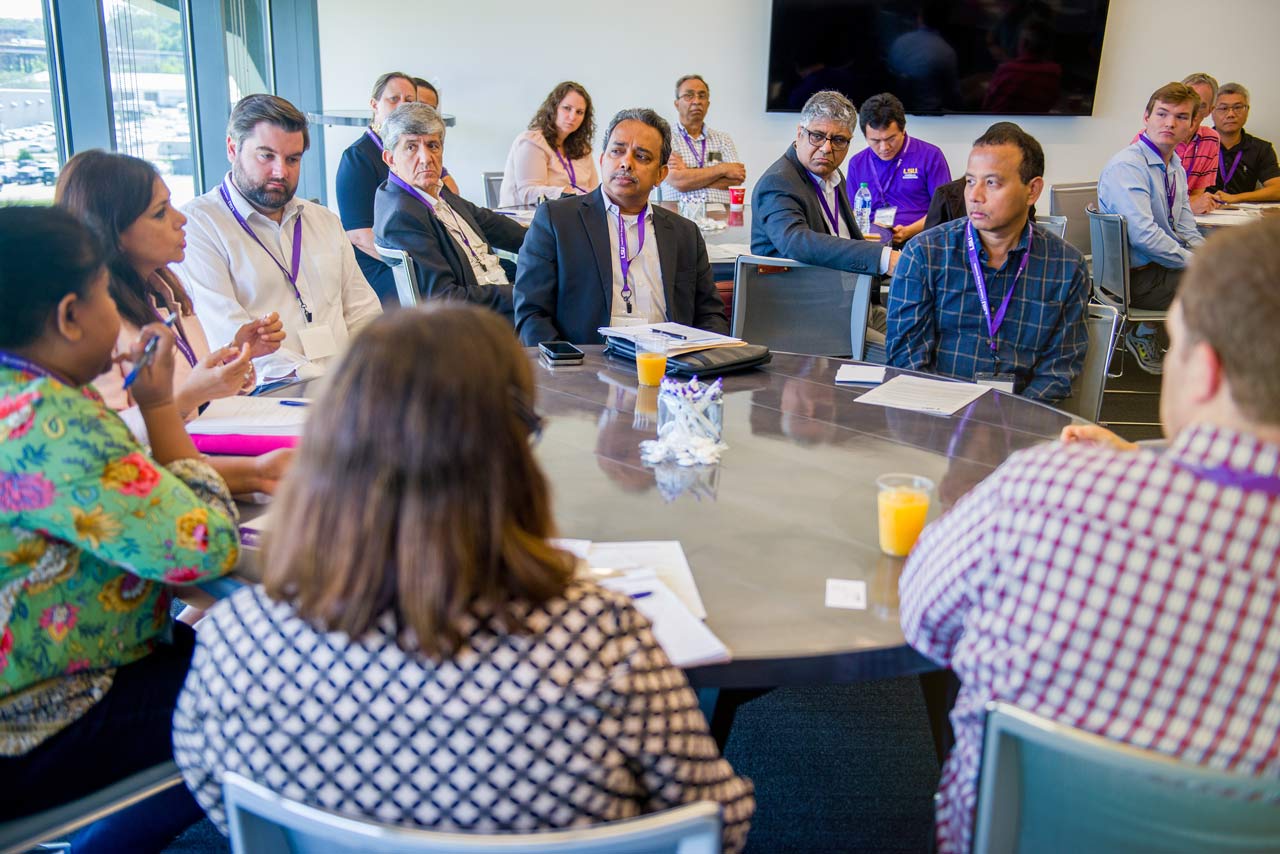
{"points": [[650, 367], [902, 513]]}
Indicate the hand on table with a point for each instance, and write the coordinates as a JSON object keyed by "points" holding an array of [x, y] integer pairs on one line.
{"points": [[1094, 435], [1203, 203]]}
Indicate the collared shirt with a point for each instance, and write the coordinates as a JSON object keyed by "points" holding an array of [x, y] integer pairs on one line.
{"points": [[906, 181], [1257, 165], [829, 188], [1132, 185], [1115, 592], [648, 299], [1199, 158], [534, 170], [479, 254], [717, 141], [936, 322], [233, 280]]}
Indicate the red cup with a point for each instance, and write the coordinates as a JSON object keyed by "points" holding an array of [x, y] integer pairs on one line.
{"points": [[737, 198], [734, 218]]}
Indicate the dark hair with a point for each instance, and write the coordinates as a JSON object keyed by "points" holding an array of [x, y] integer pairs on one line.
{"points": [[648, 117], [109, 191], [415, 492], [424, 83], [685, 79], [880, 111], [1230, 300], [1173, 93], [1008, 133], [45, 254], [252, 110], [576, 144]]}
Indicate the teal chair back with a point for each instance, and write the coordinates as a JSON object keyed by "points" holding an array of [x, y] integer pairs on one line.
{"points": [[794, 307], [404, 271], [1048, 788], [1103, 322], [262, 822]]}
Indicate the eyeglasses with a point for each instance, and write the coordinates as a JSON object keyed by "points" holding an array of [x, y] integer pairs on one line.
{"points": [[1228, 109], [689, 97], [817, 140]]}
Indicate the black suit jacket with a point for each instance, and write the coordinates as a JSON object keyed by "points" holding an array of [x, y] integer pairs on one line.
{"points": [[787, 221], [444, 272], [564, 279]]}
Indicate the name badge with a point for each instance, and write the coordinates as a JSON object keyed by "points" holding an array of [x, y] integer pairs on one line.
{"points": [[318, 341], [999, 382], [884, 216]]}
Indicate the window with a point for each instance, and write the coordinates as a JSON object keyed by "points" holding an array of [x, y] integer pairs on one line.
{"points": [[149, 85], [29, 140], [248, 47]]}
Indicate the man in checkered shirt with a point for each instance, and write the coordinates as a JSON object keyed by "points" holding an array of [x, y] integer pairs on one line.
{"points": [[1130, 592], [704, 162], [993, 298]]}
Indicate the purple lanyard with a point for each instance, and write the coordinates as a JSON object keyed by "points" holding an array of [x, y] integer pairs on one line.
{"points": [[377, 140], [457, 226], [980, 280], [291, 275], [826, 208], [18, 363], [184, 347], [623, 261], [1235, 478], [689, 140], [875, 173], [1170, 186], [1222, 166], [567, 164]]}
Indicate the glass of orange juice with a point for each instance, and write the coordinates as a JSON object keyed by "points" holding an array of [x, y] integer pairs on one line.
{"points": [[903, 503], [651, 358]]}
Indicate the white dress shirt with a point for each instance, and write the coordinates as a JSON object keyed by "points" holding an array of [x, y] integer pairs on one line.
{"points": [[474, 248], [829, 188], [233, 280], [648, 299]]}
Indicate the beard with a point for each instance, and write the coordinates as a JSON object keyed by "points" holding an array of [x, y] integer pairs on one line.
{"points": [[258, 194]]}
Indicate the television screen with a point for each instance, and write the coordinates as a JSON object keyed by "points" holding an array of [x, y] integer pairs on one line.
{"points": [[989, 57]]}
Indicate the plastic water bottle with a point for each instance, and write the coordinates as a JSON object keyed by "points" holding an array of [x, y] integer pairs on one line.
{"points": [[862, 209]]}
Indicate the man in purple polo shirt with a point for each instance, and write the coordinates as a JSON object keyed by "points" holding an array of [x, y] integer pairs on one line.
{"points": [[901, 172]]}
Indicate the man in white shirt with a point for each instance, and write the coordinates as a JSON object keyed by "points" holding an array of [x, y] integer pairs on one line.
{"points": [[704, 162], [609, 258], [252, 248]]}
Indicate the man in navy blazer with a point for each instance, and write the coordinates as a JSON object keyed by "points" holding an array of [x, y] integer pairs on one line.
{"points": [[449, 239], [609, 258], [799, 208]]}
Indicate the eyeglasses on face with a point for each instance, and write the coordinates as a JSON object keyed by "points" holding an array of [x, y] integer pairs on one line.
{"points": [[691, 97], [817, 140], [1228, 109]]}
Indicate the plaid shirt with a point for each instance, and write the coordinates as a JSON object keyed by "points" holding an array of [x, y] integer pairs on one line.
{"points": [[1199, 156], [1115, 592], [716, 141], [936, 321]]}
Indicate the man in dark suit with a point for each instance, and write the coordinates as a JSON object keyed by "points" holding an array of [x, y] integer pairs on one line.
{"points": [[799, 208], [608, 258], [448, 238]]}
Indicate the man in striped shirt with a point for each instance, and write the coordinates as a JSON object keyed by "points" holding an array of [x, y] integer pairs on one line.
{"points": [[704, 162], [1132, 593]]}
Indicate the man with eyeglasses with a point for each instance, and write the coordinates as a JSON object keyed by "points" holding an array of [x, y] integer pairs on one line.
{"points": [[799, 206], [901, 172], [704, 162], [1247, 168]]}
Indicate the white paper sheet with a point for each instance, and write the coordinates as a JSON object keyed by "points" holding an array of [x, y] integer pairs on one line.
{"points": [[252, 416], [936, 397], [665, 558], [686, 639], [684, 339], [726, 253], [860, 375]]}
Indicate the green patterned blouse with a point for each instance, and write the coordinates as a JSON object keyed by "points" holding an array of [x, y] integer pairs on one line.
{"points": [[91, 532]]}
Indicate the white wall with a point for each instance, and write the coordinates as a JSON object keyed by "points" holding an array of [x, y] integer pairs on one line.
{"points": [[495, 60]]}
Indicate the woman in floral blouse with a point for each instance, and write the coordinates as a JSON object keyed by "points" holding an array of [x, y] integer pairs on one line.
{"points": [[93, 533]]}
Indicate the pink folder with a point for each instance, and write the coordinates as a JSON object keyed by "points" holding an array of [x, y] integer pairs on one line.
{"points": [[240, 444]]}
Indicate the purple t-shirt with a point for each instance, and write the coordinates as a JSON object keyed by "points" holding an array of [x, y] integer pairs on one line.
{"points": [[907, 181]]}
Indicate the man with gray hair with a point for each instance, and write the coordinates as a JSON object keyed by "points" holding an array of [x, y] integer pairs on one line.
{"points": [[1247, 168], [450, 240], [799, 207], [608, 258], [253, 249], [704, 162]]}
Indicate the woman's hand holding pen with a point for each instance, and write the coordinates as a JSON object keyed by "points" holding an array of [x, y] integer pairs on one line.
{"points": [[151, 373]]}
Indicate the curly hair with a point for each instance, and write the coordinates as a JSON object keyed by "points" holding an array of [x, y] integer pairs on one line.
{"points": [[576, 144]]}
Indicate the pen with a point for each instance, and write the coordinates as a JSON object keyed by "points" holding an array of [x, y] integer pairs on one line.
{"points": [[641, 595], [672, 334], [148, 353], [294, 402]]}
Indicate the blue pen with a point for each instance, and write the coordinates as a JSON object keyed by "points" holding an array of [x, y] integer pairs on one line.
{"points": [[294, 402], [148, 353], [642, 595], [676, 335]]}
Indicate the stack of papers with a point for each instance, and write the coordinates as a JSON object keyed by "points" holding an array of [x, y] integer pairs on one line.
{"points": [[860, 375], [657, 577], [936, 397], [249, 426], [1229, 216], [684, 339]]}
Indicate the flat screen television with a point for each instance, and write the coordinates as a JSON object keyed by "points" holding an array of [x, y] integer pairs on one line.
{"points": [[985, 57]]}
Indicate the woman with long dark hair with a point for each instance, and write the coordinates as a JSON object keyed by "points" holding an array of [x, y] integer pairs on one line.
{"points": [[553, 157], [423, 652]]}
